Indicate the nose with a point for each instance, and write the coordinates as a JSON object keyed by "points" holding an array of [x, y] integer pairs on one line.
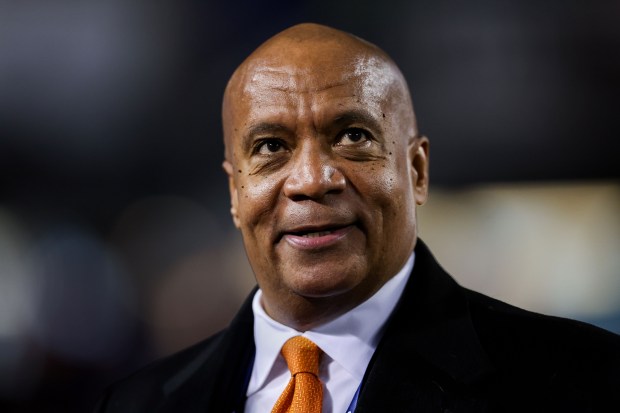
{"points": [[313, 175]]}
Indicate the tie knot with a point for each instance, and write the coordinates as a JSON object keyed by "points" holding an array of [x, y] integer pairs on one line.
{"points": [[301, 355]]}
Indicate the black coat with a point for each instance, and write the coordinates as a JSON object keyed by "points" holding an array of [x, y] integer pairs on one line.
{"points": [[445, 349]]}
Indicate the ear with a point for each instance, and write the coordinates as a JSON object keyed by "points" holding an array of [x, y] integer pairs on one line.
{"points": [[228, 167], [418, 160]]}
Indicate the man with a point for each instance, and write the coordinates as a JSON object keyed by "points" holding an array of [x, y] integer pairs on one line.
{"points": [[326, 167]]}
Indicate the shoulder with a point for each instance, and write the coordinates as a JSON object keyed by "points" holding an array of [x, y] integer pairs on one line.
{"points": [[545, 350], [495, 318], [207, 375], [146, 388]]}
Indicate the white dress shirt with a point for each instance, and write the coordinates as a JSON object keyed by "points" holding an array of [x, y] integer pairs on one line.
{"points": [[348, 343]]}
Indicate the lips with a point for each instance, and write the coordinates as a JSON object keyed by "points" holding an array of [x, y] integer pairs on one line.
{"points": [[316, 237]]}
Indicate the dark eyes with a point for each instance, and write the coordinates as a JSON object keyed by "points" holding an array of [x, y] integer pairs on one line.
{"points": [[269, 146], [349, 137], [353, 136]]}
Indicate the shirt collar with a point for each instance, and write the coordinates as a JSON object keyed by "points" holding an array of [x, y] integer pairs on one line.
{"points": [[350, 340]]}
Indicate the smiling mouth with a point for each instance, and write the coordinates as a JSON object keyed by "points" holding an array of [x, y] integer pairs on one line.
{"points": [[316, 231], [319, 238]]}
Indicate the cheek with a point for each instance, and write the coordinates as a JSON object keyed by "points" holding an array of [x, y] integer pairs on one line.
{"points": [[389, 194], [256, 199], [387, 181]]}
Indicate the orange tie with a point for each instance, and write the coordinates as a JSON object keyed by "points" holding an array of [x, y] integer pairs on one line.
{"points": [[304, 391]]}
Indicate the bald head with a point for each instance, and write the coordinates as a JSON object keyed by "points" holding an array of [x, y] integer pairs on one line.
{"points": [[322, 57]]}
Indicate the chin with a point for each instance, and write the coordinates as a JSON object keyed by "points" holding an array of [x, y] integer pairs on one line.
{"points": [[315, 283]]}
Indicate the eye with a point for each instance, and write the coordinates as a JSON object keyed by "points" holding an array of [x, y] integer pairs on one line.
{"points": [[269, 146], [353, 136]]}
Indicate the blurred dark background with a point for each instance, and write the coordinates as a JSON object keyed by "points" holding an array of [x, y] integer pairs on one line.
{"points": [[114, 217]]}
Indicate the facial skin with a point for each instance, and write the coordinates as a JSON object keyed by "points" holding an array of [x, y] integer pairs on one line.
{"points": [[325, 170]]}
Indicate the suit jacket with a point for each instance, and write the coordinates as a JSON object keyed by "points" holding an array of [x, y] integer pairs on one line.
{"points": [[445, 349]]}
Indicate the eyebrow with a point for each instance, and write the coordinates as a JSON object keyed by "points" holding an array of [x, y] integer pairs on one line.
{"points": [[357, 116], [266, 127]]}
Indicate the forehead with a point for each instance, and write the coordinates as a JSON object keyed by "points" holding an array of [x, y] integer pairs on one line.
{"points": [[318, 78], [317, 70]]}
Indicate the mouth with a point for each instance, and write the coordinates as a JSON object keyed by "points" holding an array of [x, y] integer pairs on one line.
{"points": [[314, 234], [316, 237]]}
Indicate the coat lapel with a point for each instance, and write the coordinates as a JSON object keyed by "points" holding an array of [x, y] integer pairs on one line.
{"points": [[216, 380], [430, 351]]}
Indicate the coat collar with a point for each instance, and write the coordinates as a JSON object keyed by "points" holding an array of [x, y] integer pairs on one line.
{"points": [[441, 328], [430, 347], [216, 379]]}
